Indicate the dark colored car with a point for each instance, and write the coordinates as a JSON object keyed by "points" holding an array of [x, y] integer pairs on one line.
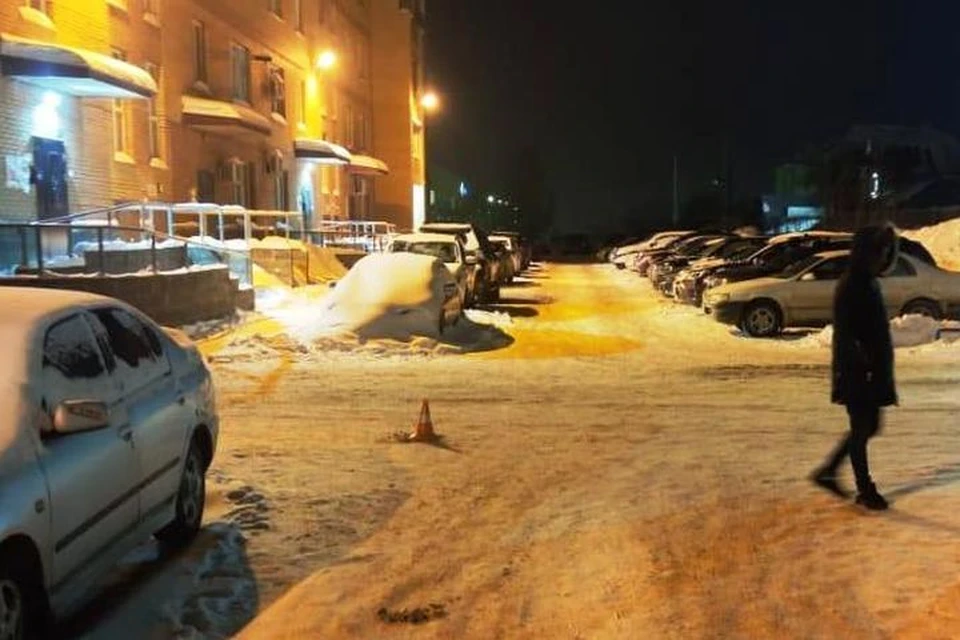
{"points": [[688, 249], [715, 252], [777, 255], [689, 283]]}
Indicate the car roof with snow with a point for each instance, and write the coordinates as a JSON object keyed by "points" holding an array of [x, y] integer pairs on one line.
{"points": [[426, 237], [24, 306], [447, 226]]}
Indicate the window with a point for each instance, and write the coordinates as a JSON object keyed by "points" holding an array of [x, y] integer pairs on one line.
{"points": [[360, 130], [831, 269], [199, 51], [239, 182], [902, 269], [276, 7], [121, 118], [137, 349], [240, 64], [70, 349], [40, 5], [154, 117], [298, 14], [278, 91], [151, 10]]}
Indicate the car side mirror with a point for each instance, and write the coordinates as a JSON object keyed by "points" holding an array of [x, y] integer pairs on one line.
{"points": [[808, 277], [76, 416]]}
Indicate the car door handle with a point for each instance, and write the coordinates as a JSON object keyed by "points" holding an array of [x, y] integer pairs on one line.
{"points": [[126, 435], [181, 400]]}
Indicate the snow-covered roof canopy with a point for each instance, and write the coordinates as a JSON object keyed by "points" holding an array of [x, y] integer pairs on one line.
{"points": [[320, 151], [227, 118], [73, 70], [368, 165]]}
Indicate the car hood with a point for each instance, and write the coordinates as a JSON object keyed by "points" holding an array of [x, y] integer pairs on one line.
{"points": [[708, 263], [746, 288]]}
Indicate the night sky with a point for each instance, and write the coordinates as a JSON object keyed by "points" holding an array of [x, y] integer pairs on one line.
{"points": [[608, 95]]}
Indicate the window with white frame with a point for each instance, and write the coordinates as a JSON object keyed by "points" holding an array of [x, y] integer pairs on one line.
{"points": [[237, 174], [276, 7], [121, 117], [199, 51], [240, 64], [278, 91], [154, 116]]}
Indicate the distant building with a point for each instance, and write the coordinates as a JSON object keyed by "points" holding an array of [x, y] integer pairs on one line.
{"points": [[274, 104]]}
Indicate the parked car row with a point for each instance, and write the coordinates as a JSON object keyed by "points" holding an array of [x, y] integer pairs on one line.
{"points": [[481, 263], [764, 285]]}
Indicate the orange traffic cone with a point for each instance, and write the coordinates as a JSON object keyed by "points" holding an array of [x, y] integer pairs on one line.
{"points": [[423, 430]]}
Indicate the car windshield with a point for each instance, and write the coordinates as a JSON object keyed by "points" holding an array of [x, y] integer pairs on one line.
{"points": [[738, 251], [799, 267], [446, 251]]}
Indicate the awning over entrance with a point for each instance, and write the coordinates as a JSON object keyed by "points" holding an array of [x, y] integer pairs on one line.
{"points": [[226, 118], [320, 151], [368, 165], [71, 70]]}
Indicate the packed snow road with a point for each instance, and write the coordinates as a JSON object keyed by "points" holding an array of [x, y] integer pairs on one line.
{"points": [[618, 468]]}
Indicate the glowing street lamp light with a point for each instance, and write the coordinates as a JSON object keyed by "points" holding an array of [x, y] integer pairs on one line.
{"points": [[430, 101], [326, 60], [491, 199]]}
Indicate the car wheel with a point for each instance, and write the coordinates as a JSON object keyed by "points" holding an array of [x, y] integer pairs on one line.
{"points": [[20, 600], [762, 320], [927, 308], [190, 501]]}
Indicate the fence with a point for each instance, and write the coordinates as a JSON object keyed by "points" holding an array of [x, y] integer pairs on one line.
{"points": [[102, 249]]}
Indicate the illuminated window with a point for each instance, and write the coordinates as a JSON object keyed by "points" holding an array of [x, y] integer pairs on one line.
{"points": [[121, 118], [154, 117], [240, 64], [199, 51], [276, 8]]}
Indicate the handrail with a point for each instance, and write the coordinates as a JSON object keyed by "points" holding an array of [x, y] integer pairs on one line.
{"points": [[154, 235]]}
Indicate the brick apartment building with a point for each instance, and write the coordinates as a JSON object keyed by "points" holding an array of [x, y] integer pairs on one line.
{"points": [[310, 105]]}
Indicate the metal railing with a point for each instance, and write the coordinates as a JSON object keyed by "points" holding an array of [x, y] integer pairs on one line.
{"points": [[51, 248]]}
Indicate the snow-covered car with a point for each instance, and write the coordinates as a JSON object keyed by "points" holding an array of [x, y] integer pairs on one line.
{"points": [[394, 295], [625, 255], [802, 295], [109, 424], [450, 250]]}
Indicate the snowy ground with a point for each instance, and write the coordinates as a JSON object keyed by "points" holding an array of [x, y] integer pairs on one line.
{"points": [[612, 466]]}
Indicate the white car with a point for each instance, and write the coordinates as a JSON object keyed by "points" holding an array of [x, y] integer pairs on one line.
{"points": [[397, 295], [449, 250], [802, 295], [109, 424]]}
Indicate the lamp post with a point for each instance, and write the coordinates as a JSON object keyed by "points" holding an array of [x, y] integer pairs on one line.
{"points": [[429, 104]]}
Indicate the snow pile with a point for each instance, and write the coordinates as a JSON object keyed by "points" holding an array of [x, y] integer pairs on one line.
{"points": [[394, 295], [906, 331], [942, 241], [224, 593], [123, 245]]}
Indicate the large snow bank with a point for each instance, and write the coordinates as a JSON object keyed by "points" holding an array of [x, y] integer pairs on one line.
{"points": [[906, 331], [942, 241]]}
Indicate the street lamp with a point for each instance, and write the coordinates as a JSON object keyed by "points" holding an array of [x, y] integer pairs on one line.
{"points": [[326, 60], [430, 101]]}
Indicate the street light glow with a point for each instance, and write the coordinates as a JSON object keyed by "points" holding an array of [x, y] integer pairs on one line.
{"points": [[491, 199], [326, 60], [430, 101]]}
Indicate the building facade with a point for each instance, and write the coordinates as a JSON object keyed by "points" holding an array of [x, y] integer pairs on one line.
{"points": [[268, 104]]}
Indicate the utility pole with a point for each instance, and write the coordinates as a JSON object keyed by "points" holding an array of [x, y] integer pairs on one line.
{"points": [[676, 193]]}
